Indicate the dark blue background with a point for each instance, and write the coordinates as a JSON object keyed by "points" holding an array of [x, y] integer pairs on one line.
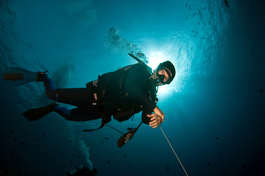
{"points": [[215, 107]]}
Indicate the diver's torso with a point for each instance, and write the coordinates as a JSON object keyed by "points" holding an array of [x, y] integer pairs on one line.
{"points": [[112, 87]]}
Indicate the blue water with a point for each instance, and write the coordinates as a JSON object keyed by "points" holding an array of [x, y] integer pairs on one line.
{"points": [[215, 107]]}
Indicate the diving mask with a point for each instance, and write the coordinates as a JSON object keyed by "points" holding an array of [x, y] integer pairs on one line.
{"points": [[161, 78]]}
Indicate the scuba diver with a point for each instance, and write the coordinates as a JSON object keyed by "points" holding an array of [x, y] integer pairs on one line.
{"points": [[120, 94]]}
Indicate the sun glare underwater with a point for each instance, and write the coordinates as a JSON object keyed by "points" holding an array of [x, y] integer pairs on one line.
{"points": [[214, 108]]}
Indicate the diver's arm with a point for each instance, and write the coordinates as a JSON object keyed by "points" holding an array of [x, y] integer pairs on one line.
{"points": [[134, 88], [160, 113], [157, 118]]}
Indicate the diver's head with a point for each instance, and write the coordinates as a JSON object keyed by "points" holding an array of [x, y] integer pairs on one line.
{"points": [[164, 73]]}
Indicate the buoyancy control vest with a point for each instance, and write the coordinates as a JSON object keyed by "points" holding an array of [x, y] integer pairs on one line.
{"points": [[110, 86]]}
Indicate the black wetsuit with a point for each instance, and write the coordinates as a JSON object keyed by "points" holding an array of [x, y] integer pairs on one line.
{"points": [[117, 92]]}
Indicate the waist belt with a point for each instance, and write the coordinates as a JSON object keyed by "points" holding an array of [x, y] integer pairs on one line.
{"points": [[98, 101]]}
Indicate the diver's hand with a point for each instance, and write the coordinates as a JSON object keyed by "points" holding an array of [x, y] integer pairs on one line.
{"points": [[160, 113], [155, 120]]}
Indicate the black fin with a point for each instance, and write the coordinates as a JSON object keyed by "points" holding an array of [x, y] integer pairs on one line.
{"points": [[38, 113], [18, 76]]}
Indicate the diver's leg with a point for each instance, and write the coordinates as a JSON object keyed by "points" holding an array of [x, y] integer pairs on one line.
{"points": [[49, 87], [77, 114], [74, 96]]}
